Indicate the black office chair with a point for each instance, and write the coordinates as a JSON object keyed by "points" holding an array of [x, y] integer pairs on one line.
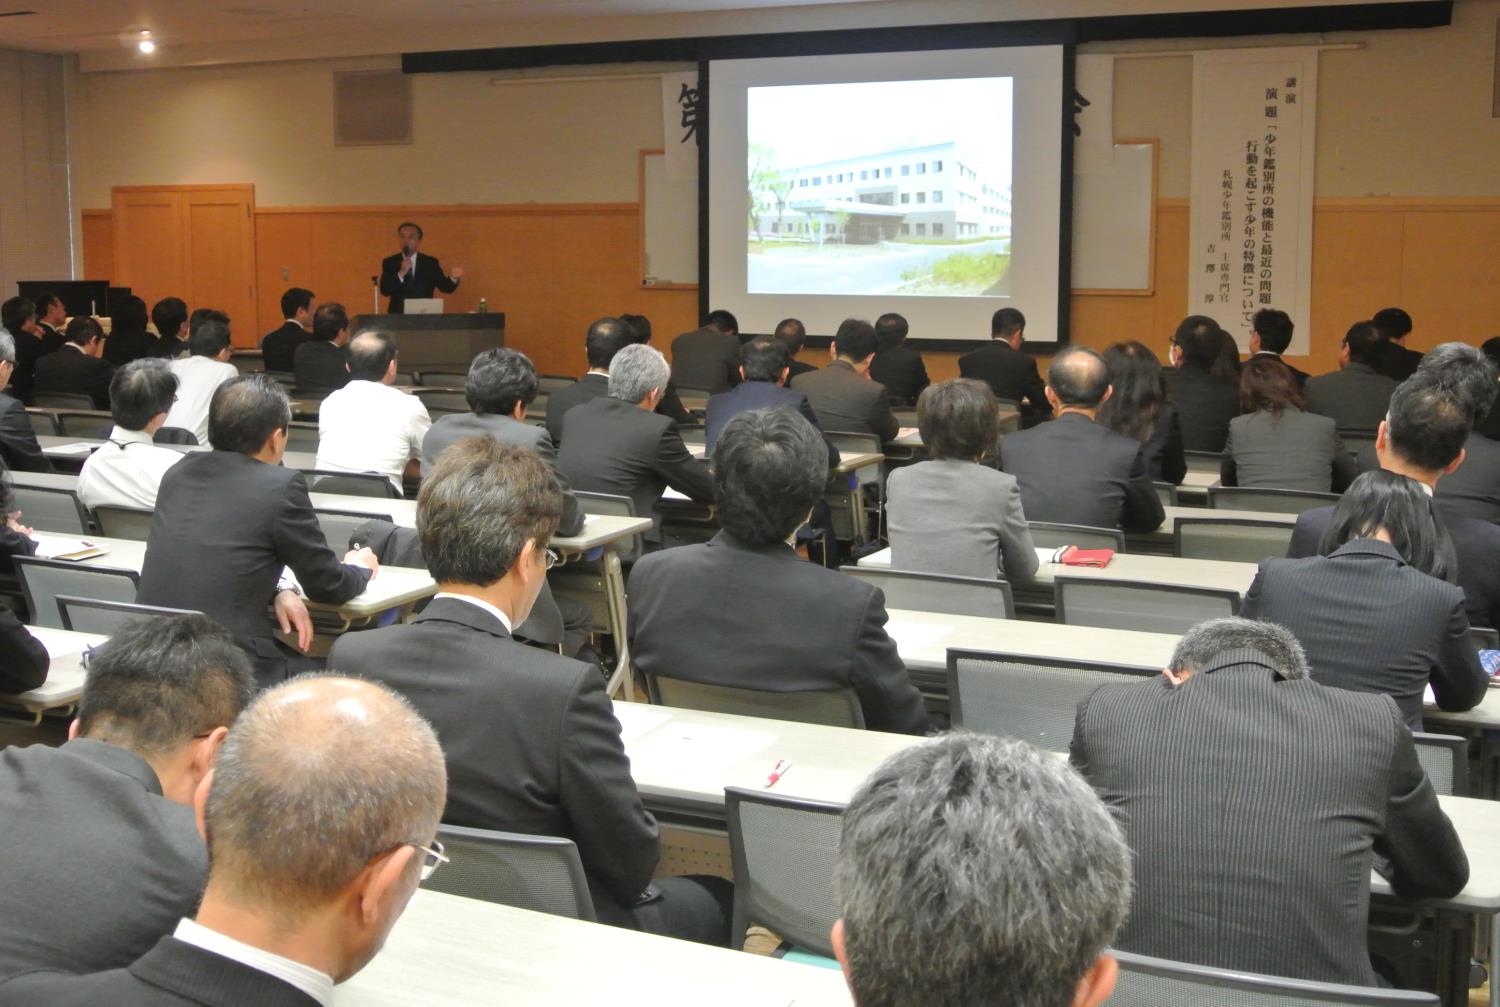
{"points": [[354, 484], [1157, 982]]}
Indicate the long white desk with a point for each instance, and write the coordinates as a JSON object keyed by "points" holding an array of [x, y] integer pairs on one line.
{"points": [[64, 685], [1161, 539], [1130, 566], [73, 451], [1195, 484], [447, 951]]}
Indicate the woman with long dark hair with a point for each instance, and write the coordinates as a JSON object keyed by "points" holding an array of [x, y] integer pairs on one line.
{"points": [[1371, 610], [1138, 408], [1273, 444]]}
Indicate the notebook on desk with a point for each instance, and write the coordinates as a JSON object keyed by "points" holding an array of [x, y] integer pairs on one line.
{"points": [[72, 549], [1071, 555]]}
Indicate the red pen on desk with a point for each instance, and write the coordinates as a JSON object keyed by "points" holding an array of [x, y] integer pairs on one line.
{"points": [[777, 772]]}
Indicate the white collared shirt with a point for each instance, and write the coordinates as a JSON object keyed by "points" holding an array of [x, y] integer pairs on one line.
{"points": [[478, 603], [197, 380], [318, 985], [367, 426], [126, 471]]}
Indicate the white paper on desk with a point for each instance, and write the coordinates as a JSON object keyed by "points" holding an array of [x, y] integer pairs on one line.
{"points": [[72, 450], [916, 634], [675, 494], [705, 748], [53, 546], [697, 450], [1429, 698], [637, 719], [1045, 556]]}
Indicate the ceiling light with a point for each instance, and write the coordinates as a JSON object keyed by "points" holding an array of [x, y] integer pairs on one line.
{"points": [[146, 45]]}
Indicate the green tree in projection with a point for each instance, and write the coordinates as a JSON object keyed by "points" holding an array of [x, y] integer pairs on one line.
{"points": [[767, 185]]}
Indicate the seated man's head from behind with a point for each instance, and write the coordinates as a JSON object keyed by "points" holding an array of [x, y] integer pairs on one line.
{"points": [[722, 320], [170, 316], [1207, 642], [319, 816], [1466, 372], [499, 381], [793, 333], [1196, 342], [85, 332], [1271, 331], [372, 357], [1432, 413], [770, 468], [638, 325], [1078, 379], [1010, 325], [1011, 900], [210, 337], [606, 337], [331, 324], [485, 514], [765, 359], [1361, 345], [891, 330], [1394, 324], [855, 343], [167, 689], [250, 415], [638, 374], [141, 394]]}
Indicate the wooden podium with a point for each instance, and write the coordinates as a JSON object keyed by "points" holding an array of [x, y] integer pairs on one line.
{"points": [[431, 341]]}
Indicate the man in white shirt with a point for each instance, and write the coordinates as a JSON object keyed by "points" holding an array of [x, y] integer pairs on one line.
{"points": [[200, 374], [127, 470], [320, 816], [369, 425]]}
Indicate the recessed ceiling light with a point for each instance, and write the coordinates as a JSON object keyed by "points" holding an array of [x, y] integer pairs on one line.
{"points": [[146, 45]]}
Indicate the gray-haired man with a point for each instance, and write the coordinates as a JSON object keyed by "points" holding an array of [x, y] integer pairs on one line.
{"points": [[1256, 801], [1012, 900]]}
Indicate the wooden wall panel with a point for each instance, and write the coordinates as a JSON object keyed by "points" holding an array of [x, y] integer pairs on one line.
{"points": [[98, 244]]}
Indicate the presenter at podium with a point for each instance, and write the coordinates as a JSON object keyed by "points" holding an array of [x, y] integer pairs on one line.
{"points": [[409, 273]]}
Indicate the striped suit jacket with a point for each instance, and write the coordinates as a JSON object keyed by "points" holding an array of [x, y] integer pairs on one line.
{"points": [[1255, 807]]}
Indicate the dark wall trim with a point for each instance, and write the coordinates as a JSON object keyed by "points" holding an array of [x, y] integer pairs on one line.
{"points": [[978, 35]]}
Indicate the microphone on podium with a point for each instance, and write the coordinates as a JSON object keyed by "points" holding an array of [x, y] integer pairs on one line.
{"points": [[375, 292]]}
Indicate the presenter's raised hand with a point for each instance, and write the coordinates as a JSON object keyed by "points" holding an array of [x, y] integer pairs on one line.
{"points": [[457, 272], [405, 267]]}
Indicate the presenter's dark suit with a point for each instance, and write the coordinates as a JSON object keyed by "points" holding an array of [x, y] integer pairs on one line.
{"points": [[610, 446], [1073, 471], [224, 527], [72, 370], [98, 864], [901, 370], [706, 358], [750, 395], [18, 445], [1205, 405], [1254, 807], [1370, 623], [423, 281], [530, 738], [320, 365], [23, 659], [1473, 489], [279, 348], [847, 402], [806, 628], [1010, 374], [171, 974]]}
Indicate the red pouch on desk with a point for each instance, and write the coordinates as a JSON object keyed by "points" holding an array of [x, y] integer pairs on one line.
{"points": [[1075, 556]]}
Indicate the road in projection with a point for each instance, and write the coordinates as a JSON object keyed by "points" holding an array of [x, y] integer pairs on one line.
{"points": [[791, 273]]}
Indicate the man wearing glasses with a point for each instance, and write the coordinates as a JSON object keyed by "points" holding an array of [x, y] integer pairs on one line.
{"points": [[320, 814], [531, 738], [1010, 373]]}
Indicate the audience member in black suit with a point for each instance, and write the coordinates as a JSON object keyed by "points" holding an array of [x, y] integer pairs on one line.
{"points": [[1010, 373], [23, 659], [1205, 403], [764, 367], [1396, 361], [1138, 408], [51, 320], [605, 338], [170, 316], [1473, 490], [1370, 609], [530, 737], [618, 444], [321, 821], [102, 855], [806, 628], [1270, 336], [279, 348], [1277, 790], [228, 520], [321, 364], [18, 317], [1074, 470], [78, 367], [1022, 838], [843, 395], [19, 449], [128, 337], [793, 334], [410, 273], [1355, 396], [708, 358], [671, 404], [896, 365]]}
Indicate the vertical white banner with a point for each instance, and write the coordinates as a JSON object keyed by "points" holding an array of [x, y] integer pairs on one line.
{"points": [[681, 112], [1250, 239]]}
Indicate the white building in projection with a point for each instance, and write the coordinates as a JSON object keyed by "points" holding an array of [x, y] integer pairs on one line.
{"points": [[934, 191]]}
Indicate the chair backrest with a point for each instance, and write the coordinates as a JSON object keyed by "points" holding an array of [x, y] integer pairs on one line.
{"points": [[448, 401], [831, 708], [43, 424], [1238, 540], [942, 593], [1445, 759], [784, 850], [1276, 501], [124, 522], [1022, 696], [302, 436], [339, 525], [42, 580], [540, 873], [1484, 638], [444, 378], [1156, 982], [1355, 440], [1051, 535], [48, 509], [1127, 604], [549, 383], [405, 378], [1203, 461], [88, 425], [91, 615], [611, 505], [64, 400], [174, 435], [355, 484], [1166, 493]]}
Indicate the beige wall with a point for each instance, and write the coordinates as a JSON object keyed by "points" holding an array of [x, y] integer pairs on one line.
{"points": [[34, 232]]}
